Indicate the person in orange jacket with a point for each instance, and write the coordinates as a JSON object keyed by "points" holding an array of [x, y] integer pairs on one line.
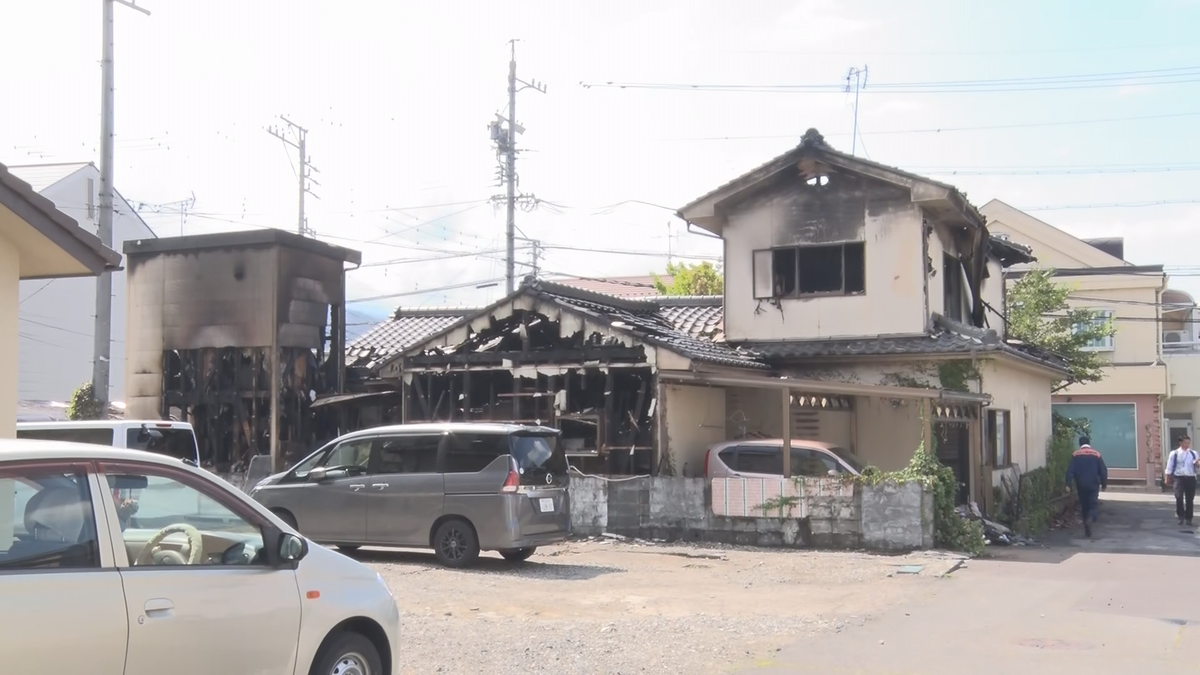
{"points": [[1090, 475]]}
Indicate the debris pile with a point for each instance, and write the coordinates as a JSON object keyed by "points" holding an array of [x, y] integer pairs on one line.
{"points": [[994, 533]]}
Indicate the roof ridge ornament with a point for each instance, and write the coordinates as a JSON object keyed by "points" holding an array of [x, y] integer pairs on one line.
{"points": [[813, 139]]}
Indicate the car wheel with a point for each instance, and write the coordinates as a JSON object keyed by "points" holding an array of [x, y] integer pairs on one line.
{"points": [[348, 654], [348, 548], [286, 518], [455, 544], [518, 554]]}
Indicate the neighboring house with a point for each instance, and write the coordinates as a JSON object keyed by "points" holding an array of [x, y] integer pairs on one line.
{"points": [[1123, 410], [844, 269], [622, 287], [58, 315], [37, 242], [1181, 353]]}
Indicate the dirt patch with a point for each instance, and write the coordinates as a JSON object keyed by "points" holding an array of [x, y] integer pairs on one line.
{"points": [[628, 607]]}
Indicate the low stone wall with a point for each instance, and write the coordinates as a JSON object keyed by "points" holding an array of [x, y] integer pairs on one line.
{"points": [[822, 513]]}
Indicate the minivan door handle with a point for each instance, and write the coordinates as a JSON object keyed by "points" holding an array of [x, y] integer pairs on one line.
{"points": [[379, 485], [158, 606], [357, 486]]}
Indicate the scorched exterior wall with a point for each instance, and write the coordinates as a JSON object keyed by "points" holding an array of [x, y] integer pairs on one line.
{"points": [[848, 209]]}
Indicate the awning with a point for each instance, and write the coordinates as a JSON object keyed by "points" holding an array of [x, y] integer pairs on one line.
{"points": [[342, 398], [821, 387]]}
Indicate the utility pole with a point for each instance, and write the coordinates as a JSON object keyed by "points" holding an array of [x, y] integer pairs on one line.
{"points": [[102, 335], [301, 144], [506, 151], [183, 205], [860, 82], [535, 255]]}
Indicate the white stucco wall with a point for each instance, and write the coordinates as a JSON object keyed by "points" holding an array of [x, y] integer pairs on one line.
{"points": [[10, 275], [695, 420], [888, 431], [893, 303], [57, 316], [1026, 395]]}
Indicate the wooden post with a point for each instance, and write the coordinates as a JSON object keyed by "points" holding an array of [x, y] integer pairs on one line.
{"points": [[786, 426], [467, 395], [975, 463], [927, 425]]}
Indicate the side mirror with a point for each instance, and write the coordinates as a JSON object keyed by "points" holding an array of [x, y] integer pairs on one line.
{"points": [[833, 472], [292, 548], [317, 474]]}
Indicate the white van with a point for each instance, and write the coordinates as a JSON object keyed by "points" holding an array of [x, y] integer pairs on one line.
{"points": [[173, 439]]}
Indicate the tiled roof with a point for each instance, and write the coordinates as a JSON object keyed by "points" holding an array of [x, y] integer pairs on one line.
{"points": [[702, 316], [949, 337], [644, 320], [42, 176], [406, 328], [621, 287]]}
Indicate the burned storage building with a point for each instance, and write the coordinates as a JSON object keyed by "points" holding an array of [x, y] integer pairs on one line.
{"points": [[236, 333], [585, 362]]}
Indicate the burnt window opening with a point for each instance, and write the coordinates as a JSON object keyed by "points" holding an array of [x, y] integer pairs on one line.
{"points": [[837, 269], [953, 288]]}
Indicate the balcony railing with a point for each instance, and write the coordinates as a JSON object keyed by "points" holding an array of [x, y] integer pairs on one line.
{"points": [[1180, 348]]}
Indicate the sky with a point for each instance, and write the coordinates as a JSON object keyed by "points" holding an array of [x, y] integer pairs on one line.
{"points": [[397, 98]]}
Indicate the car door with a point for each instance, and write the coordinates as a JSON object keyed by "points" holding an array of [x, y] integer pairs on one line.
{"points": [[199, 595], [334, 509], [406, 492], [62, 609]]}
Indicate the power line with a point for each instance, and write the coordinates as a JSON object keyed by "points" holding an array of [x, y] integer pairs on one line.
{"points": [[1162, 76], [941, 130], [476, 284]]}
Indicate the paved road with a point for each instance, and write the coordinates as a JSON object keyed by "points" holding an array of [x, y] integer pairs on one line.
{"points": [[1112, 604]]}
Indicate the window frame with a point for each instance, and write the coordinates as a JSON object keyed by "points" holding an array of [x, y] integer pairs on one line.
{"points": [[994, 430], [1109, 343], [230, 501], [104, 542], [764, 288]]}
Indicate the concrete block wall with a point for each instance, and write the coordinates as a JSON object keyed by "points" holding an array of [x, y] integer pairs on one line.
{"points": [[824, 514]]}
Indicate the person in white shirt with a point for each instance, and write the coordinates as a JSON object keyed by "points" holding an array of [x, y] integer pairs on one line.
{"points": [[1181, 470]]}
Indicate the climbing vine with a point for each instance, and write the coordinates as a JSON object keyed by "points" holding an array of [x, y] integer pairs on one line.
{"points": [[957, 375], [84, 404], [1033, 504]]}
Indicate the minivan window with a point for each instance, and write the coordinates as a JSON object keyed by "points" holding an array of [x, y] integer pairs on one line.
{"points": [[539, 454], [172, 442], [408, 454], [468, 453], [71, 435]]}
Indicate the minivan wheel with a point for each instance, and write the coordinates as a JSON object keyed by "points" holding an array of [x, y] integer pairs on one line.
{"points": [[518, 554], [348, 654], [287, 518], [455, 544]]}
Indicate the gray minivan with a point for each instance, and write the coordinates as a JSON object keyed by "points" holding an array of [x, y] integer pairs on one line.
{"points": [[457, 488]]}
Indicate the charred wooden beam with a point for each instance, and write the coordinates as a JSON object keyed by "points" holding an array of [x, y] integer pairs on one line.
{"points": [[549, 356]]}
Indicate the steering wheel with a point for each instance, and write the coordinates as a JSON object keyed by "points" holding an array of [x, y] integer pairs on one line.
{"points": [[151, 554]]}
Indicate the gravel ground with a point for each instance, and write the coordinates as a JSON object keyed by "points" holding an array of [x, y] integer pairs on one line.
{"points": [[603, 606]]}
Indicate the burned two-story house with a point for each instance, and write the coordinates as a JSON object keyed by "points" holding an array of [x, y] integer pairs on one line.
{"points": [[842, 269]]}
